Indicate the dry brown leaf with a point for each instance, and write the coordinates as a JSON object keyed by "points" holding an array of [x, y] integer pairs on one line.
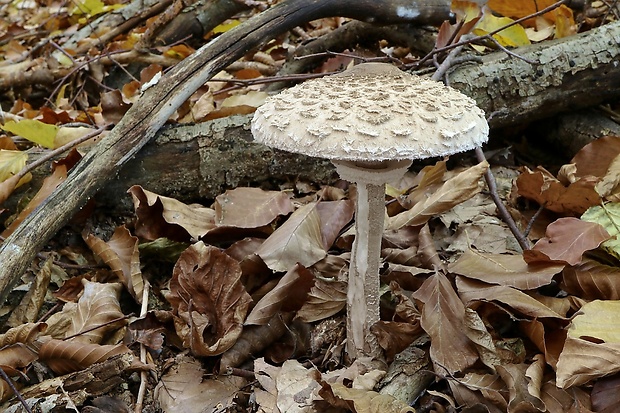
{"points": [[455, 190], [592, 280], [50, 183], [334, 216], [442, 319], [606, 395], [290, 387], [15, 357], [30, 306], [592, 347], [160, 216], [595, 157], [364, 401], [394, 336], [567, 239], [250, 207], [507, 270], [575, 400], [209, 300], [97, 307], [293, 288], [325, 299], [549, 340], [486, 389], [427, 181], [121, 254], [471, 290], [67, 356], [542, 187], [477, 332], [298, 240], [523, 393], [183, 388], [25, 333]]}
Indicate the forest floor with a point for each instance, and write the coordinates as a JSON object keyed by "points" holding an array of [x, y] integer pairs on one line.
{"points": [[500, 279]]}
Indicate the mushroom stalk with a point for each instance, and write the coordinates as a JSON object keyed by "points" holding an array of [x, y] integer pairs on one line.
{"points": [[363, 291]]}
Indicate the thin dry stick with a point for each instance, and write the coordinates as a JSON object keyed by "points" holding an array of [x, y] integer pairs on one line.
{"points": [[58, 151], [14, 389], [143, 377], [501, 208]]}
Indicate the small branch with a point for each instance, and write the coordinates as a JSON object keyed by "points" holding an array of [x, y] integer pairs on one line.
{"points": [[501, 208], [8, 381]]}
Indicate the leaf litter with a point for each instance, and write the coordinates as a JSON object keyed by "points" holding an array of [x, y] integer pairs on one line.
{"points": [[250, 315]]}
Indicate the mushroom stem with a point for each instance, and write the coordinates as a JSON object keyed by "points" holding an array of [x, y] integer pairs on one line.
{"points": [[363, 290]]}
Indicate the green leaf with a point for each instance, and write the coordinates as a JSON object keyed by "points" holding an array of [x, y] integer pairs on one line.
{"points": [[34, 130], [607, 215]]}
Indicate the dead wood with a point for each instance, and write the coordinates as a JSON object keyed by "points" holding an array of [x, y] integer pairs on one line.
{"points": [[160, 101], [569, 73], [197, 20]]}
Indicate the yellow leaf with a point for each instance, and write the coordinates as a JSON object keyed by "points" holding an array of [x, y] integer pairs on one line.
{"points": [[33, 130], [223, 28], [11, 162], [513, 36], [465, 10], [93, 7]]}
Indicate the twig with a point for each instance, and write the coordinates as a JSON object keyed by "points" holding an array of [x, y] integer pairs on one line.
{"points": [[530, 224], [143, 377], [14, 389], [125, 317], [501, 208]]}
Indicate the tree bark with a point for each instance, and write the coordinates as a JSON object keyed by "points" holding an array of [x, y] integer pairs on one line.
{"points": [[160, 101], [568, 74]]}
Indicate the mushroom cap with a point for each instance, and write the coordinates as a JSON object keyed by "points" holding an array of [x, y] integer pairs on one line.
{"points": [[371, 112]]}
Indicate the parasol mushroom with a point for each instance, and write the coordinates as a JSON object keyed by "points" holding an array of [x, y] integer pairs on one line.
{"points": [[371, 121]]}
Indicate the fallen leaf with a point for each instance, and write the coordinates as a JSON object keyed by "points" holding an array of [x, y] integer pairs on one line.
{"points": [[455, 190], [592, 348], [209, 300], [293, 286], [298, 240], [250, 207], [442, 318], [502, 269], [567, 239]]}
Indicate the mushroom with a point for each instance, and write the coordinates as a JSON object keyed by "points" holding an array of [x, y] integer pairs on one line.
{"points": [[371, 121]]}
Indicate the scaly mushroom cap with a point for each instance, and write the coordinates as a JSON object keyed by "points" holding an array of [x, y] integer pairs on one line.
{"points": [[373, 111]]}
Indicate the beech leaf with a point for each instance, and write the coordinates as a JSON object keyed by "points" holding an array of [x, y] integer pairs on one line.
{"points": [[508, 270], [298, 240], [250, 207], [455, 190], [210, 302], [608, 216], [442, 319], [567, 239], [592, 347]]}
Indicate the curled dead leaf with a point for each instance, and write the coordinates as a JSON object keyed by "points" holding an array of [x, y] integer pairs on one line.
{"points": [[210, 302]]}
